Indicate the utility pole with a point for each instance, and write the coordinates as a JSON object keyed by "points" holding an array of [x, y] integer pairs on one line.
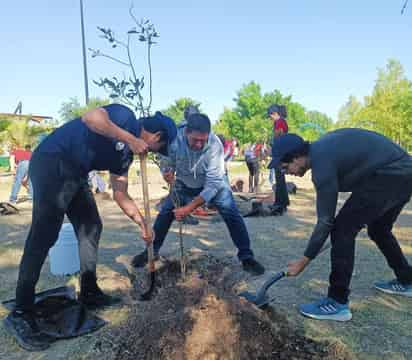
{"points": [[86, 84]]}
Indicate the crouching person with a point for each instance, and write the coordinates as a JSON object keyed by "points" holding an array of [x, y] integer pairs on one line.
{"points": [[103, 139], [196, 161], [378, 173]]}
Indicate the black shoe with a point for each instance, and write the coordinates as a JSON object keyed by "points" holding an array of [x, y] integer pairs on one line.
{"points": [[277, 210], [22, 326], [91, 295], [140, 260], [253, 267], [93, 300]]}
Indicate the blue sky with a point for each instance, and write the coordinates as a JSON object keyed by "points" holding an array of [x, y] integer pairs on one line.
{"points": [[320, 51]]}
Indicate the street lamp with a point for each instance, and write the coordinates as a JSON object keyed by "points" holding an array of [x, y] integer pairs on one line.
{"points": [[86, 86]]}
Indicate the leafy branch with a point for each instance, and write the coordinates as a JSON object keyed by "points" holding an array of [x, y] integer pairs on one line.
{"points": [[129, 90]]}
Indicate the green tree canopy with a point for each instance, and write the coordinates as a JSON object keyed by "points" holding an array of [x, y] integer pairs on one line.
{"points": [[72, 109], [387, 110], [248, 122], [176, 110]]}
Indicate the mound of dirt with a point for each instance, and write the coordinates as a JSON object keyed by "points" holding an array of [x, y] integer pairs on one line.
{"points": [[201, 317]]}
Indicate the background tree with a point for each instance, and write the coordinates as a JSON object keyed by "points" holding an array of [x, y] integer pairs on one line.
{"points": [[20, 133], [176, 110], [248, 121], [387, 109], [349, 113], [317, 124], [128, 89], [72, 109]]}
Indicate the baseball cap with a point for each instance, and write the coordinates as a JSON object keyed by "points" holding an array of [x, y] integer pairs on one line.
{"points": [[273, 108], [163, 123], [283, 146]]}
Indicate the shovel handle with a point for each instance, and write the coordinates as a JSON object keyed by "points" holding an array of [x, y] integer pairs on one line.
{"points": [[269, 282], [148, 220]]}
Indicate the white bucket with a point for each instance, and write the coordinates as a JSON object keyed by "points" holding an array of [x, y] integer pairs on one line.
{"points": [[64, 255]]}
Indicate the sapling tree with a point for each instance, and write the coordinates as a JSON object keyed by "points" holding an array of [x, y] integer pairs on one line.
{"points": [[129, 88]]}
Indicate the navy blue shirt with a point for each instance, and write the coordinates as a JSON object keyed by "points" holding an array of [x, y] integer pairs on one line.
{"points": [[87, 150]]}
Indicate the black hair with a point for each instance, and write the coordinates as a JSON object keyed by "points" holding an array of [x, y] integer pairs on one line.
{"points": [[198, 122], [303, 150], [27, 147], [283, 112]]}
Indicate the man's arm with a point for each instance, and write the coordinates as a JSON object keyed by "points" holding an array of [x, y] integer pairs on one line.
{"points": [[182, 212], [98, 121], [326, 201], [127, 204]]}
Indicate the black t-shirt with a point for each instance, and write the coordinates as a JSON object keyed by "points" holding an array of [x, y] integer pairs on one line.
{"points": [[87, 150]]}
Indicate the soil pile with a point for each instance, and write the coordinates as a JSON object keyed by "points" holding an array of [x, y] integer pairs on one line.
{"points": [[201, 317]]}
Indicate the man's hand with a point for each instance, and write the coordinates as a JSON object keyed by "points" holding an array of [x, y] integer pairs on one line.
{"points": [[182, 212], [138, 146], [148, 235], [169, 177], [297, 266]]}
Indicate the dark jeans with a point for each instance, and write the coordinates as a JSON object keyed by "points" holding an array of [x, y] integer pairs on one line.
{"points": [[253, 167], [281, 194], [57, 190], [226, 207], [376, 204]]}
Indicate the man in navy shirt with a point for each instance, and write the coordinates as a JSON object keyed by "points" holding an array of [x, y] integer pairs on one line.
{"points": [[105, 138]]}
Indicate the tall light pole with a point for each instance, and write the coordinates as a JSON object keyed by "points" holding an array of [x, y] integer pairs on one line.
{"points": [[86, 83]]}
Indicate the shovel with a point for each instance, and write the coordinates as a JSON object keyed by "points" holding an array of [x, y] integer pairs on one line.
{"points": [[260, 298], [143, 171]]}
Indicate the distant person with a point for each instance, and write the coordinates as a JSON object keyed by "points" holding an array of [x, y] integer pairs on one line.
{"points": [[96, 182], [252, 159], [278, 114], [378, 174], [104, 138], [20, 161], [195, 169]]}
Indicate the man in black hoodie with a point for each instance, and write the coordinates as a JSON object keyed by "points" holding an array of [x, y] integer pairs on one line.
{"points": [[378, 173]]}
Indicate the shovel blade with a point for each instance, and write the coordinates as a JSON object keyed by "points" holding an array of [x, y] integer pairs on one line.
{"points": [[260, 302]]}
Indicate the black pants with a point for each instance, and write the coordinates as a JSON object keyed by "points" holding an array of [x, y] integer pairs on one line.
{"points": [[253, 167], [57, 190], [376, 204], [281, 194]]}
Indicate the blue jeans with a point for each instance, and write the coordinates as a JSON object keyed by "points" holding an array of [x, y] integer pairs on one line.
{"points": [[226, 207], [21, 172]]}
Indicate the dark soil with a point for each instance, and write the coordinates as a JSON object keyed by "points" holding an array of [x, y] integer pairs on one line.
{"points": [[202, 318]]}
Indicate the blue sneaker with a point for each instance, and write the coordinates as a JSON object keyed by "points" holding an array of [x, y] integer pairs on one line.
{"points": [[394, 287], [326, 309]]}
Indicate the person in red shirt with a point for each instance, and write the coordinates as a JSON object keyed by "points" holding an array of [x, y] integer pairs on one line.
{"points": [[278, 114], [20, 164]]}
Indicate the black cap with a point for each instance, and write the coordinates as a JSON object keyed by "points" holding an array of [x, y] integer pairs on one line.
{"points": [[283, 146], [163, 123], [273, 108]]}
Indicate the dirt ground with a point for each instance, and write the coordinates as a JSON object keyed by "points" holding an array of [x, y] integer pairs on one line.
{"points": [[380, 328]]}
